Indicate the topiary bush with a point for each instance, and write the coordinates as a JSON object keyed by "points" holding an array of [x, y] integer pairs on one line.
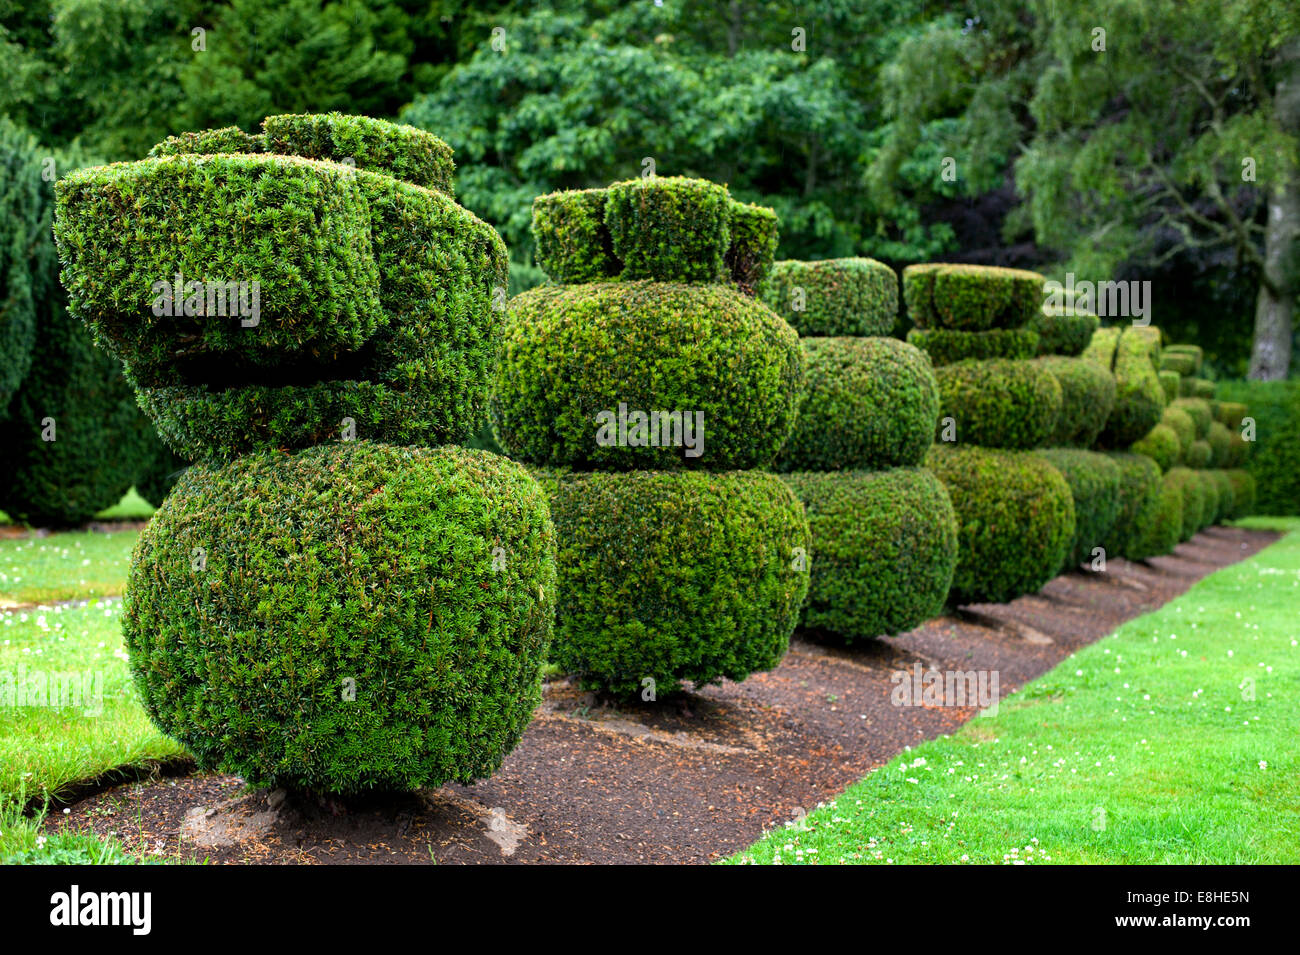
{"points": [[1139, 488], [754, 234], [1199, 454], [1161, 445], [1196, 388], [1139, 399], [24, 258], [1219, 439], [1015, 521], [680, 577], [1243, 492], [1274, 454], [972, 298], [1094, 486], [669, 228], [999, 403], [572, 243], [1199, 411], [354, 616], [375, 296], [945, 346], [1063, 330], [699, 350], [1180, 363], [884, 548], [1227, 495], [1087, 397], [1159, 524], [1183, 425], [1195, 352], [871, 404], [1189, 486], [1169, 383], [834, 297], [1209, 496]]}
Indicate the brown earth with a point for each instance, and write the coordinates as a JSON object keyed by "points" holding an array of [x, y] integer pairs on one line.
{"points": [[687, 780]]}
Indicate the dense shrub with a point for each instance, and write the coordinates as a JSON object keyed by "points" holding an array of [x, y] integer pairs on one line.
{"points": [[1169, 383], [1195, 351], [1087, 397], [669, 228], [884, 547], [1180, 363], [375, 304], [1182, 424], [1139, 489], [101, 443], [1209, 496], [227, 139], [971, 298], [1161, 445], [403, 152], [1196, 388], [834, 296], [1159, 524], [161, 475], [1062, 330], [1199, 454], [754, 234], [1199, 411], [945, 346], [523, 277], [1230, 413], [572, 243], [871, 404], [1274, 457], [572, 352], [24, 258], [1094, 485], [1139, 399], [1220, 441], [679, 577], [999, 403], [1243, 492], [1189, 486], [1015, 521], [1227, 491], [354, 616]]}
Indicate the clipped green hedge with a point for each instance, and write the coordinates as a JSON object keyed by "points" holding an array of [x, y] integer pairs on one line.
{"points": [[227, 139], [1230, 413], [1220, 441], [999, 403], [403, 152], [571, 242], [754, 234], [1227, 490], [945, 346], [1210, 497], [871, 404], [669, 228], [376, 300], [884, 548], [1062, 330], [1183, 425], [834, 297], [351, 617], [1161, 445], [1199, 454], [1196, 353], [1087, 397], [1198, 409], [1169, 384], [1195, 505], [1139, 399], [972, 298], [572, 352], [1140, 497], [1274, 455], [1244, 492], [1094, 485], [23, 258], [1196, 388], [1180, 363], [676, 577], [1015, 521]]}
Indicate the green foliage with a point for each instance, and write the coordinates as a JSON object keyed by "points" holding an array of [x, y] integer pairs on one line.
{"points": [[1183, 425], [1220, 441], [699, 350], [375, 299], [1139, 399], [403, 152], [1160, 444], [1015, 521], [834, 297], [1180, 363], [1149, 519], [1189, 486], [1244, 491], [1062, 330], [23, 257], [1274, 460], [1169, 384], [871, 404], [1230, 413], [229, 139], [1211, 503], [1199, 410], [1000, 403], [1227, 491], [157, 480], [945, 346], [754, 234], [973, 298], [1087, 397], [884, 548], [1196, 388], [1199, 454], [1094, 481], [572, 243], [679, 577], [670, 229], [385, 632], [1195, 351]]}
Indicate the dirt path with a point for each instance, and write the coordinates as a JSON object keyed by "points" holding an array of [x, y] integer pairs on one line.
{"points": [[686, 781]]}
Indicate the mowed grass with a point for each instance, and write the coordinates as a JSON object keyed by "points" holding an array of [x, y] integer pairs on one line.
{"points": [[64, 566], [1173, 740], [86, 719]]}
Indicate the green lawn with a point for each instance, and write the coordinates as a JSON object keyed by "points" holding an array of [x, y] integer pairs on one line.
{"points": [[64, 566], [1172, 740]]}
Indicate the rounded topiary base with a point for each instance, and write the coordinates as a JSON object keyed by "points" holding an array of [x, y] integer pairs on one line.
{"points": [[1015, 520], [356, 616], [1194, 497], [1150, 514], [671, 578], [1094, 485], [999, 403], [884, 549]]}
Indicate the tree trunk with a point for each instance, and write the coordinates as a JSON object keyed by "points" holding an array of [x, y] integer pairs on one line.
{"points": [[1270, 358]]}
